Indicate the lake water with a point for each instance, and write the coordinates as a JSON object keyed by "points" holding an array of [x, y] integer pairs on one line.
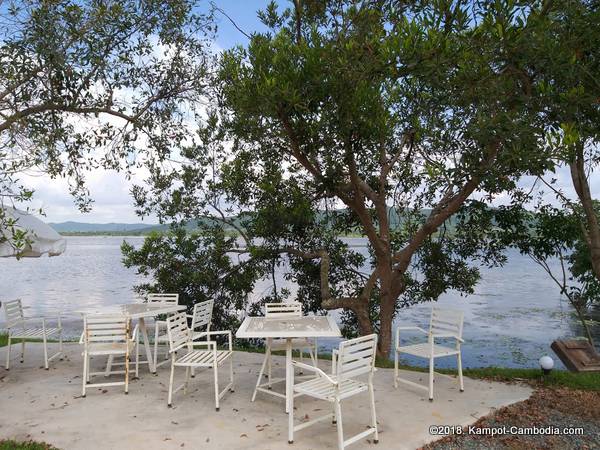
{"points": [[511, 320]]}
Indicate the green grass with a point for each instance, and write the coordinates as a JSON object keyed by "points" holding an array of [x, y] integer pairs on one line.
{"points": [[29, 445], [557, 378]]}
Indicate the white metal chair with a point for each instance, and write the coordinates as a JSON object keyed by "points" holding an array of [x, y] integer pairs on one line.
{"points": [[21, 327], [180, 337], [201, 317], [444, 324], [106, 335], [282, 310], [160, 326], [355, 357]]}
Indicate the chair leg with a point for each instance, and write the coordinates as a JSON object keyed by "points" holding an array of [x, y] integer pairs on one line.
{"points": [[216, 376], [155, 345], [22, 350], [312, 356], [270, 365], [127, 373], [373, 414], [85, 374], [260, 375], [338, 419], [460, 374], [334, 413], [87, 378], [395, 369], [45, 351], [171, 381], [431, 364], [231, 389], [187, 379], [8, 345], [291, 420], [137, 356], [109, 364]]}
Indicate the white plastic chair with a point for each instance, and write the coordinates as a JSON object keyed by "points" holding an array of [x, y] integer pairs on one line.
{"points": [[355, 357], [282, 310], [21, 327], [106, 335], [160, 326], [444, 324], [180, 337]]}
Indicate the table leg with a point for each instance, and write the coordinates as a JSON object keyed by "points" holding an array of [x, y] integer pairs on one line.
{"points": [[142, 325], [289, 375]]}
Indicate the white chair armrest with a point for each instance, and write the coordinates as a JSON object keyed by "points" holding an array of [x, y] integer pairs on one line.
{"points": [[207, 334], [407, 329], [193, 344], [203, 343], [453, 336], [412, 328], [33, 319], [314, 369]]}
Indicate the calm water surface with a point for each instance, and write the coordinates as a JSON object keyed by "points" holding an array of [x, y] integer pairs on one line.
{"points": [[511, 320]]}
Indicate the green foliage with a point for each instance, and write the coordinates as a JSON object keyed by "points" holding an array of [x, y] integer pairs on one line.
{"points": [[344, 111], [93, 84], [550, 234], [198, 268]]}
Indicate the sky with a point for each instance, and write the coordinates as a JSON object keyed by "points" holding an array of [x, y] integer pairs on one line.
{"points": [[110, 190]]}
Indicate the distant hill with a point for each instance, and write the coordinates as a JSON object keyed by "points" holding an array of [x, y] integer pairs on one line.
{"points": [[83, 227], [136, 229]]}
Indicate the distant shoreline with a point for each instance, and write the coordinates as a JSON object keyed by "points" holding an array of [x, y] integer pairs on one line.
{"points": [[148, 233]]}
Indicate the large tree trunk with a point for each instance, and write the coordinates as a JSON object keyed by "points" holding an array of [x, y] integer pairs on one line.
{"points": [[591, 227], [386, 319], [582, 188]]}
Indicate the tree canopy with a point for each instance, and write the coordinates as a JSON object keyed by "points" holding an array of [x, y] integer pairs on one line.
{"points": [[381, 118], [94, 84]]}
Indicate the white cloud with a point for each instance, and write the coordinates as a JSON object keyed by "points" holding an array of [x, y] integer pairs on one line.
{"points": [[109, 189]]}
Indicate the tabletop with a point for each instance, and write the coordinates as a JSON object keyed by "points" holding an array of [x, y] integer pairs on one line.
{"points": [[288, 327], [138, 310]]}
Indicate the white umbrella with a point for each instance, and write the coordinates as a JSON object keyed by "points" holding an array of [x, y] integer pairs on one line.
{"points": [[42, 238]]}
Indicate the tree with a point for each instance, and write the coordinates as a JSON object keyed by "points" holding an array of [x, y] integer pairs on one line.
{"points": [[93, 84], [554, 239], [197, 268], [383, 118], [567, 64]]}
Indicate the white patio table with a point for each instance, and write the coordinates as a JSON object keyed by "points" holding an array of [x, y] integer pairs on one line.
{"points": [[288, 329], [141, 311]]}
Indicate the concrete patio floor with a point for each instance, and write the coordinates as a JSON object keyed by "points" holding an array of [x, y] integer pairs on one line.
{"points": [[47, 406]]}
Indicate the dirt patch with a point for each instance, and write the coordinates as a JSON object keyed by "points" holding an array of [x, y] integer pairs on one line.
{"points": [[549, 409]]}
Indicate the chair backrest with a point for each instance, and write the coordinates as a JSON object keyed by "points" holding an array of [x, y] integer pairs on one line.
{"points": [[106, 329], [356, 357], [177, 331], [202, 314], [446, 321], [14, 312], [163, 298], [286, 309]]}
